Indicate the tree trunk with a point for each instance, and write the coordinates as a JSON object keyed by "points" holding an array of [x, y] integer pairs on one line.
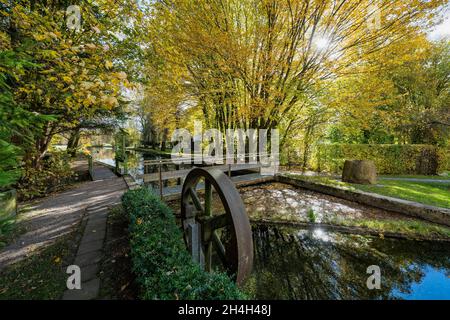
{"points": [[72, 143], [41, 146], [164, 139]]}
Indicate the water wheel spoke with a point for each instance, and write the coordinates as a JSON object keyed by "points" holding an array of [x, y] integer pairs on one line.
{"points": [[208, 257], [208, 198], [209, 224], [196, 200], [220, 249]]}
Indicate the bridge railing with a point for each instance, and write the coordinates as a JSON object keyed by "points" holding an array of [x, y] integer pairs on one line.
{"points": [[160, 170]]}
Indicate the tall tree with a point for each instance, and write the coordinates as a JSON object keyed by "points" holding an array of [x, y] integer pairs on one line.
{"points": [[18, 126], [401, 95], [79, 74], [249, 63]]}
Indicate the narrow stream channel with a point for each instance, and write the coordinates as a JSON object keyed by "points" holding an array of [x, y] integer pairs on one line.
{"points": [[292, 263]]}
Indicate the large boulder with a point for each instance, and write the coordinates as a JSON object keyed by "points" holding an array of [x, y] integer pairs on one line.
{"points": [[359, 171]]}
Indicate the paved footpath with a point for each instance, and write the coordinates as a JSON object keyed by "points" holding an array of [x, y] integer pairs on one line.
{"points": [[60, 214], [90, 249], [90, 252]]}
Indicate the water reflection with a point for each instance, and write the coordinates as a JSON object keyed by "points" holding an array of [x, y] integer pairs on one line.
{"points": [[134, 164], [104, 155], [315, 264]]}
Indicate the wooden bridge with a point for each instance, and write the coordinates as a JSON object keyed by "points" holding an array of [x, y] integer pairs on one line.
{"points": [[158, 172], [166, 176]]}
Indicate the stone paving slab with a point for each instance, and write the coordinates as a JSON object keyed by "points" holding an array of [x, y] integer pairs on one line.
{"points": [[90, 252], [89, 290], [91, 246], [88, 258], [89, 272], [95, 226], [88, 237], [99, 216]]}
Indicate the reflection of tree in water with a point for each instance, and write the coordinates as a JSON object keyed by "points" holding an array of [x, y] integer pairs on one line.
{"points": [[306, 264], [133, 160]]}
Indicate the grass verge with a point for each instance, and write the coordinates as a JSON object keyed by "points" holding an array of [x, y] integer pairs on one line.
{"points": [[430, 193], [116, 278], [426, 192], [411, 176], [9, 229], [41, 276]]}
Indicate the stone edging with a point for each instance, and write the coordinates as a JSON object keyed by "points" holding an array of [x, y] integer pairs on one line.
{"points": [[425, 212]]}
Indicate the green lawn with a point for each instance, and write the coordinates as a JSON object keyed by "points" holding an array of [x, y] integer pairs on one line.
{"points": [[443, 177], [41, 276], [431, 193]]}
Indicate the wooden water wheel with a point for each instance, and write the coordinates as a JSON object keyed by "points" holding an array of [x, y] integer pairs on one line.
{"points": [[221, 239]]}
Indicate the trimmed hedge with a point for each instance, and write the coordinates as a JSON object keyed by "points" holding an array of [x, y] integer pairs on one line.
{"points": [[444, 159], [162, 265], [388, 158]]}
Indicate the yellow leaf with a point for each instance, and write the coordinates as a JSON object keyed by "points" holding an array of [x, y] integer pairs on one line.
{"points": [[67, 79], [87, 85], [53, 35], [121, 75], [91, 46], [111, 101], [108, 64], [39, 37]]}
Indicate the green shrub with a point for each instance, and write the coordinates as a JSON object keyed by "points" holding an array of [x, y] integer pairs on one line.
{"points": [[444, 159], [52, 176], [388, 158], [311, 215], [162, 265], [6, 227]]}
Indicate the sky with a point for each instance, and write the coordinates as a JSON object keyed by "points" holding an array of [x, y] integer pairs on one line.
{"points": [[443, 29]]}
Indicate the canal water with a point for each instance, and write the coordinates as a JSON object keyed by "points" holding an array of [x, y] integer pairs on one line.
{"points": [[135, 160], [298, 263], [315, 263], [293, 263]]}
